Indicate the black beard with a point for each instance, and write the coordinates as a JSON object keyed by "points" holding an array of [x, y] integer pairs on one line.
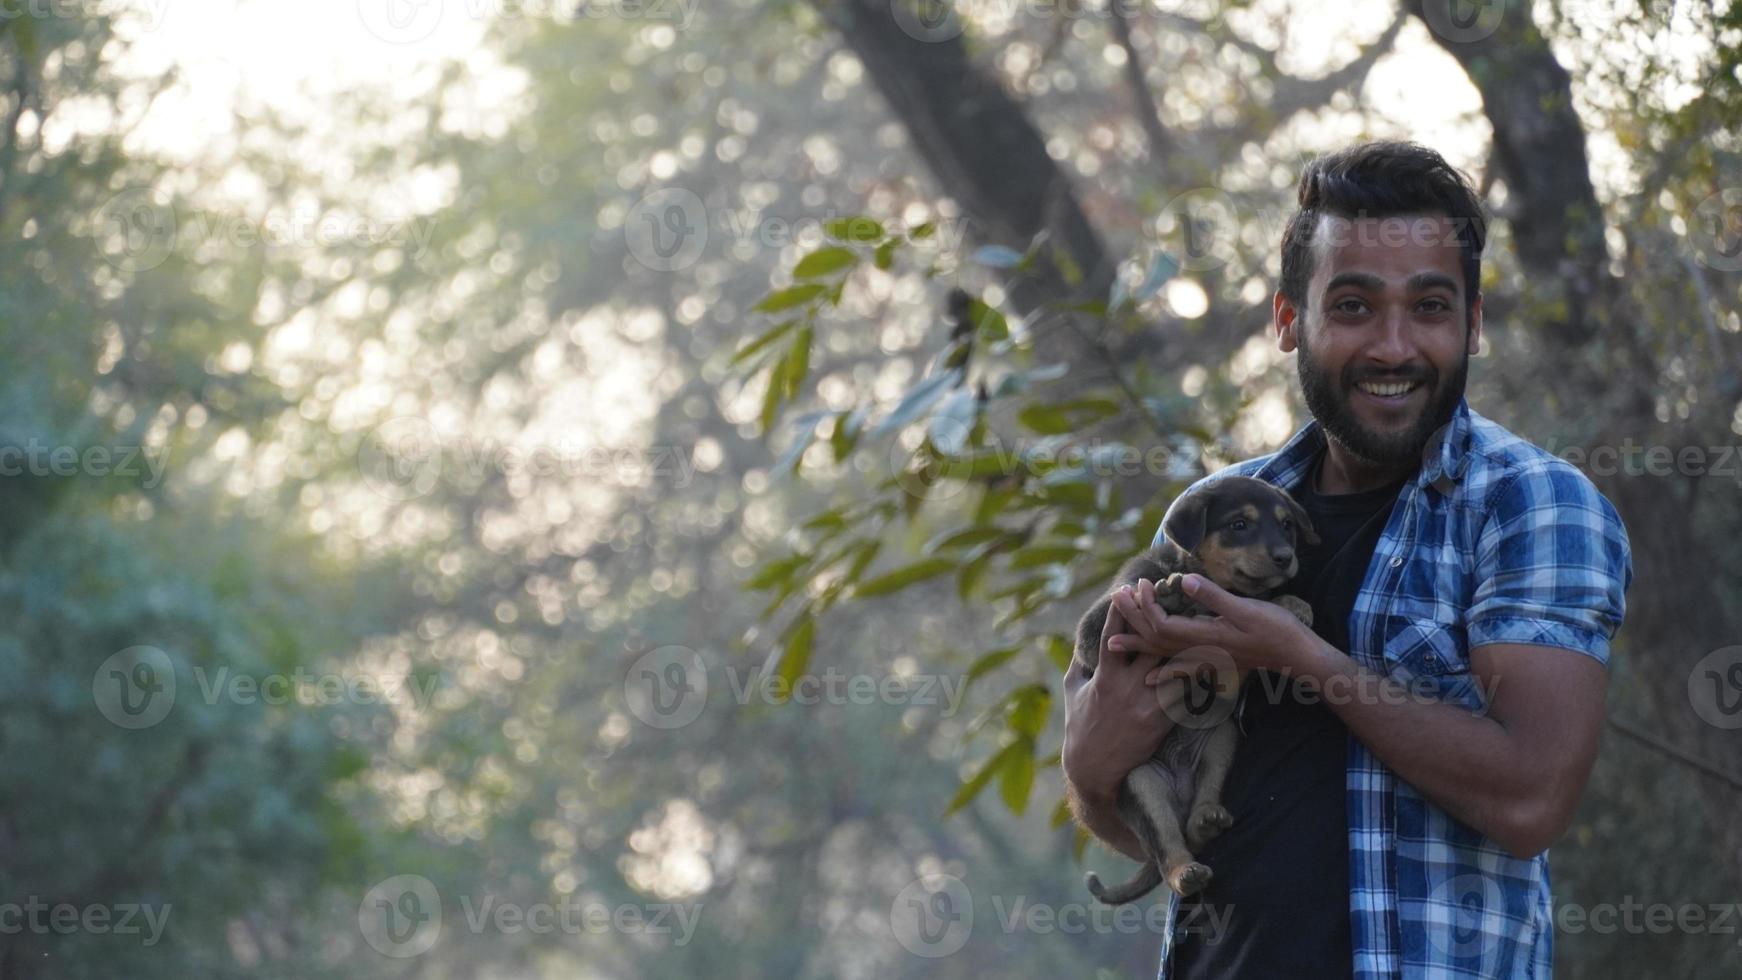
{"points": [[1329, 403]]}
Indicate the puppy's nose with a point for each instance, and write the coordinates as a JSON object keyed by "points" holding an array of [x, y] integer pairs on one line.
{"points": [[1282, 556]]}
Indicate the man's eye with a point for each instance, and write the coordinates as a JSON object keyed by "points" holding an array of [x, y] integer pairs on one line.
{"points": [[1436, 306], [1353, 307]]}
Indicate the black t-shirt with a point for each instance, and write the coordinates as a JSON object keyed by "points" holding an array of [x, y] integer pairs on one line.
{"points": [[1278, 904]]}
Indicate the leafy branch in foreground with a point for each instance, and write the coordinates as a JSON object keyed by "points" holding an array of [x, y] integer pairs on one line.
{"points": [[1032, 509]]}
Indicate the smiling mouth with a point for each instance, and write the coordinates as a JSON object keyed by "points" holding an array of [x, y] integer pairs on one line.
{"points": [[1391, 390]]}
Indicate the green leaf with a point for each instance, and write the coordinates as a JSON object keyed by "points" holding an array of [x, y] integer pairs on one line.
{"points": [[884, 257], [965, 537], [990, 662], [989, 324], [798, 361], [858, 228], [1061, 814], [921, 232], [798, 650], [1037, 555], [762, 342], [903, 577], [775, 572], [823, 262], [1047, 420], [1016, 777], [861, 561], [1060, 649], [771, 396], [790, 297], [1028, 710], [978, 781]]}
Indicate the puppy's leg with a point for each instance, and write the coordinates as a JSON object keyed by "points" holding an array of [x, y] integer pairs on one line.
{"points": [[1209, 818], [1154, 794]]}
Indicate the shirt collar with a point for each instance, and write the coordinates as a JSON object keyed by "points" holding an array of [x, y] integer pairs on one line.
{"points": [[1445, 458]]}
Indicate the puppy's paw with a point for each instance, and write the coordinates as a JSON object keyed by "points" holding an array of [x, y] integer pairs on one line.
{"points": [[1207, 822], [1298, 606], [1188, 878], [1172, 585]]}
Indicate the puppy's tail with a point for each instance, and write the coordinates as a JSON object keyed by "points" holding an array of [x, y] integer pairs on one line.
{"points": [[1147, 878]]}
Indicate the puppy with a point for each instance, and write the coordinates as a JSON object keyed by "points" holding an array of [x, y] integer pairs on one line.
{"points": [[1240, 533]]}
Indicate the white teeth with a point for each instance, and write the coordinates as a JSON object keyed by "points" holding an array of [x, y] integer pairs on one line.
{"points": [[1387, 390]]}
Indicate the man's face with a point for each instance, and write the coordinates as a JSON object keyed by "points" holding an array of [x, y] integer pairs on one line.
{"points": [[1385, 334]]}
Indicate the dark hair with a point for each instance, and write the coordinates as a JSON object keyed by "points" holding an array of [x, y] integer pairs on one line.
{"points": [[1386, 179]]}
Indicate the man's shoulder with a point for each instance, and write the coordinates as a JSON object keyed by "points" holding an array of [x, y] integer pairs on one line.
{"points": [[1504, 464]]}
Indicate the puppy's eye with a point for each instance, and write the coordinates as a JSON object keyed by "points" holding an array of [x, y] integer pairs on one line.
{"points": [[1238, 525], [1287, 525]]}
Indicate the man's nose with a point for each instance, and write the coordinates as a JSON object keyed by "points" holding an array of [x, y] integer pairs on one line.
{"points": [[1392, 345]]}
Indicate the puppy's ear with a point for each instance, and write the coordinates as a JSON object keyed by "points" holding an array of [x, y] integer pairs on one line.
{"points": [[1186, 520], [1301, 520]]}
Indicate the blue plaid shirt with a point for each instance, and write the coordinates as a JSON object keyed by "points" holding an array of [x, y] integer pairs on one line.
{"points": [[1493, 541]]}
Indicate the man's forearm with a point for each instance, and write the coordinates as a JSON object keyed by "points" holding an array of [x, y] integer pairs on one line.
{"points": [[1507, 784], [1099, 815]]}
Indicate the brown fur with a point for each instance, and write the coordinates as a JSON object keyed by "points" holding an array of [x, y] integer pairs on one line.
{"points": [[1173, 801]]}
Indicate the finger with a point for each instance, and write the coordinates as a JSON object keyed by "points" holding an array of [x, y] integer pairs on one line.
{"points": [[1125, 600], [1113, 626], [1152, 610], [1210, 595]]}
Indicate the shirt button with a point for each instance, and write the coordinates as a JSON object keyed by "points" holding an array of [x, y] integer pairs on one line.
{"points": [[1396, 561]]}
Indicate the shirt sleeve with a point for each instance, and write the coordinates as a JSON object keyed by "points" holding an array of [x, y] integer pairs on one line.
{"points": [[1552, 564]]}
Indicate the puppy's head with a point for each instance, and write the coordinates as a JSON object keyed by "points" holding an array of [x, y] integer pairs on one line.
{"points": [[1243, 530]]}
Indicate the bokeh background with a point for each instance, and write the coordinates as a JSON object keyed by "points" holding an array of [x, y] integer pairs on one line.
{"points": [[503, 490]]}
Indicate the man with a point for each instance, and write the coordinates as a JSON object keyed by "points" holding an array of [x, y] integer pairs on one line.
{"points": [[1405, 763]]}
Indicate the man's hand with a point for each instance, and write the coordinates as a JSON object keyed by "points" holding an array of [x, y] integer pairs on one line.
{"points": [[1253, 633]]}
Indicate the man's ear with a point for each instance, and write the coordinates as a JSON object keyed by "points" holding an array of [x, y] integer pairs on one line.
{"points": [[1474, 345], [1301, 520], [1286, 319], [1184, 523]]}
